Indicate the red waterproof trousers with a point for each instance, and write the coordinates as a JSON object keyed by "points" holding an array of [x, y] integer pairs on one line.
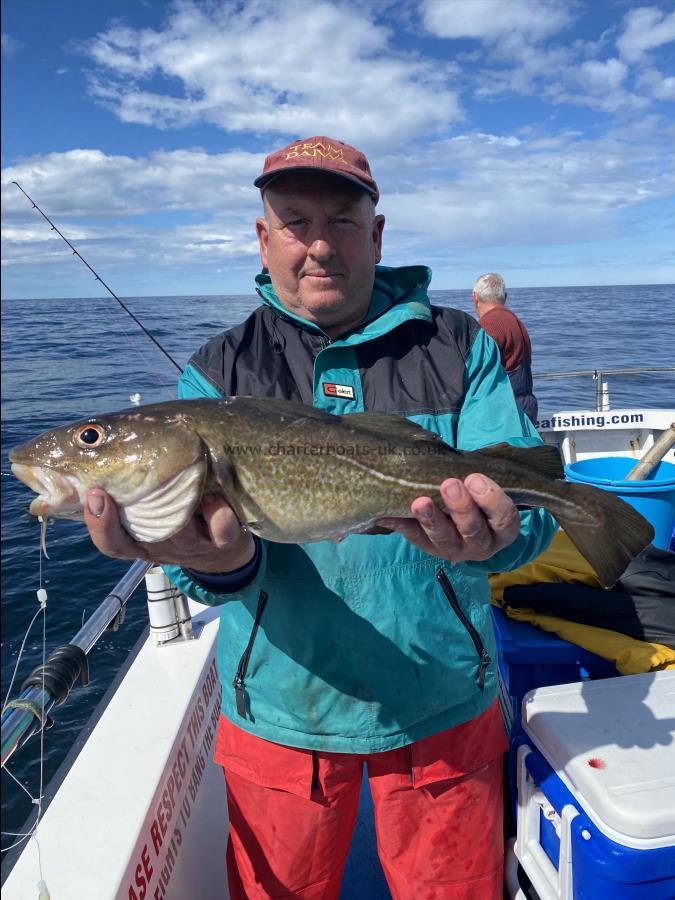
{"points": [[438, 814]]}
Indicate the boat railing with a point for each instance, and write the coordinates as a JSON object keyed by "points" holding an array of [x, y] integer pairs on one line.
{"points": [[28, 714], [600, 377]]}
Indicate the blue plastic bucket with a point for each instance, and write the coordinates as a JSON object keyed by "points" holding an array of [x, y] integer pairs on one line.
{"points": [[654, 498]]}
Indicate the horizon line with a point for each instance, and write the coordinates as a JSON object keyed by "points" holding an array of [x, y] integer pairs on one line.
{"points": [[545, 287]]}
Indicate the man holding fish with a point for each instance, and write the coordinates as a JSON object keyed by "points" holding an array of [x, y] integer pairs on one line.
{"points": [[374, 647], [292, 814]]}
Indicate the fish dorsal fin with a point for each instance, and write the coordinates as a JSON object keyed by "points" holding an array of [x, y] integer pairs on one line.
{"points": [[391, 427], [167, 509], [544, 459], [289, 415]]}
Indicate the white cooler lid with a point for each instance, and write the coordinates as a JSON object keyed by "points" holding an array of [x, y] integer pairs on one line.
{"points": [[612, 742]]}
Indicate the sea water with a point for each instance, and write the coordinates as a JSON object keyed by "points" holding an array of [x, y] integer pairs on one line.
{"points": [[68, 358]]}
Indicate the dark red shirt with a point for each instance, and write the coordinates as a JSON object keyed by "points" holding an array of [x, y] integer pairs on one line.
{"points": [[509, 334]]}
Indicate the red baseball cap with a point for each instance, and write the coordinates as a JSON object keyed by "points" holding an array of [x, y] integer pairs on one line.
{"points": [[320, 154]]}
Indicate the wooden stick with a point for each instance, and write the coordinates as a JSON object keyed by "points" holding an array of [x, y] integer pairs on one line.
{"points": [[653, 456]]}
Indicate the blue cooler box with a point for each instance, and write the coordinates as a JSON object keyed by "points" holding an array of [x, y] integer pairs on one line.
{"points": [[596, 789]]}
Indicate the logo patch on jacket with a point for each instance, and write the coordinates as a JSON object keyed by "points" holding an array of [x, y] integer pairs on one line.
{"points": [[338, 390]]}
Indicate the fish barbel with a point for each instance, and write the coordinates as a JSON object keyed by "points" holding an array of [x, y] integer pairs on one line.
{"points": [[295, 474]]}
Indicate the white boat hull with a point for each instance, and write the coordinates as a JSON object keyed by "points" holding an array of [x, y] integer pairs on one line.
{"points": [[584, 434], [142, 813]]}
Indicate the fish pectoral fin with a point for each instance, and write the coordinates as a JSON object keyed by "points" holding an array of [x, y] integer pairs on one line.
{"points": [[253, 526], [167, 509], [377, 529], [543, 459]]}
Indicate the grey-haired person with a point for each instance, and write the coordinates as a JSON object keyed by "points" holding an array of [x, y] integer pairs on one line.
{"points": [[503, 325]]}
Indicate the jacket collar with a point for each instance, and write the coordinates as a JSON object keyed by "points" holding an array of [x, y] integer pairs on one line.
{"points": [[399, 295]]}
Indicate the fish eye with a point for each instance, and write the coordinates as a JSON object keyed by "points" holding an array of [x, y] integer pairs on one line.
{"points": [[90, 436]]}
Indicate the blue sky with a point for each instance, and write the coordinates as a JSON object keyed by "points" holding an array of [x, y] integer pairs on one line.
{"points": [[530, 137]]}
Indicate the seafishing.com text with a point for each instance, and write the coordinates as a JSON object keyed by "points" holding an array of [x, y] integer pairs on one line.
{"points": [[599, 421]]}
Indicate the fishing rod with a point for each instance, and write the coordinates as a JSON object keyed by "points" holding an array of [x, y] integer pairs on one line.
{"points": [[57, 676], [98, 278]]}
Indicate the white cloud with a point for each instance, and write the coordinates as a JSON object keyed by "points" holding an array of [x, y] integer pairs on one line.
{"points": [[30, 234], [114, 194], [472, 191], [120, 244], [494, 20], [336, 70], [660, 87], [344, 73], [600, 77], [331, 71], [477, 189], [508, 141], [645, 28], [91, 183], [522, 52], [559, 75], [213, 241], [599, 85], [10, 45]]}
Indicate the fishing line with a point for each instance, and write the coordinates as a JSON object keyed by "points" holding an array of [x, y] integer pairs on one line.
{"points": [[36, 801], [132, 339], [23, 644], [98, 278], [42, 600]]}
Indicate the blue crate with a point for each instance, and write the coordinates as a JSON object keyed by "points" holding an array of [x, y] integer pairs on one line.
{"points": [[529, 658]]}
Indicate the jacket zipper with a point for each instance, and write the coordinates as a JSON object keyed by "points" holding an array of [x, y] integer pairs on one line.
{"points": [[238, 683], [483, 655]]}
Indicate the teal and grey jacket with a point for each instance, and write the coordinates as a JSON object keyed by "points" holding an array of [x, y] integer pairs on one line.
{"points": [[363, 645]]}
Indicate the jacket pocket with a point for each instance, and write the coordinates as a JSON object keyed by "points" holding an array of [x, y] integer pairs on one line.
{"points": [[459, 751], [484, 659], [239, 682]]}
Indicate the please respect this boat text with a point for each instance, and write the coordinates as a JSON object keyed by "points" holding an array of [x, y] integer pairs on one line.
{"points": [[158, 846]]}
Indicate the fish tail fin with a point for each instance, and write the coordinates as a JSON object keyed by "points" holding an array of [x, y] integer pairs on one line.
{"points": [[610, 536]]}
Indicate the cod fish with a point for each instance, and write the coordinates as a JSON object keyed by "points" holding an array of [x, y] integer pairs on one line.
{"points": [[295, 474]]}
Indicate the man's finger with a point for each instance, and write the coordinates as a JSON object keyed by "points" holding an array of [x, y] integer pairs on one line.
{"points": [[499, 510], [102, 520], [440, 529], [467, 517], [410, 529], [223, 525]]}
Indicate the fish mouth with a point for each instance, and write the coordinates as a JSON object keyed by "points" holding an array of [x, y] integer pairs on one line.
{"points": [[58, 495]]}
